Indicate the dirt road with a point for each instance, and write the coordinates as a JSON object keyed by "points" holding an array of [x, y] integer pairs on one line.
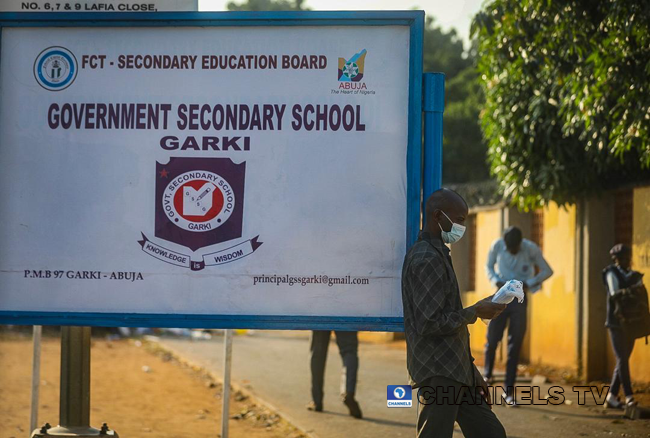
{"points": [[137, 392]]}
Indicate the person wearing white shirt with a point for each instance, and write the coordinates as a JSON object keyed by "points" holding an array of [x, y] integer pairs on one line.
{"points": [[512, 258]]}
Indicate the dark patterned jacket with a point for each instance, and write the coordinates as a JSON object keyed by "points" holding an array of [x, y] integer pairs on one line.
{"points": [[435, 323]]}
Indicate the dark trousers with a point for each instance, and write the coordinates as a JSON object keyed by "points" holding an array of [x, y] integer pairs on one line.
{"points": [[473, 414], [623, 345], [348, 346], [515, 317]]}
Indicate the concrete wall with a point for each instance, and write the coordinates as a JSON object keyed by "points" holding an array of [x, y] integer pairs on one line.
{"points": [[640, 360], [523, 221], [552, 318], [553, 326], [552, 330], [566, 318], [460, 254], [488, 229], [597, 240]]}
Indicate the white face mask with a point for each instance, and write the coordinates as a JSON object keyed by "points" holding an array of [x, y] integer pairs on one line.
{"points": [[455, 234]]}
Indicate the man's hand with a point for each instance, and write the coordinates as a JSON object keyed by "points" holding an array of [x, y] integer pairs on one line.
{"points": [[486, 309], [483, 387]]}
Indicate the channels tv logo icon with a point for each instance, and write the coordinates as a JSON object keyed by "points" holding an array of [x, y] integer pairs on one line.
{"points": [[55, 68], [351, 70], [399, 396]]}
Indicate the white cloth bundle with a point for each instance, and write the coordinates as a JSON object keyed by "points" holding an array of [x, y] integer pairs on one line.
{"points": [[509, 291]]}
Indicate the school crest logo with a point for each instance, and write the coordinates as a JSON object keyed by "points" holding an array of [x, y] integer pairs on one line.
{"points": [[55, 68], [199, 203]]}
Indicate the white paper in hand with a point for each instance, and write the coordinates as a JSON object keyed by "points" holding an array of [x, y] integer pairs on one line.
{"points": [[509, 291]]}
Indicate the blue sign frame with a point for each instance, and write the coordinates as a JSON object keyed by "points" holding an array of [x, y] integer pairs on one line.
{"points": [[413, 19]]}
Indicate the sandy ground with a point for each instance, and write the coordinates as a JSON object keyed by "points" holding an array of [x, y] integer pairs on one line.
{"points": [[139, 392], [284, 381]]}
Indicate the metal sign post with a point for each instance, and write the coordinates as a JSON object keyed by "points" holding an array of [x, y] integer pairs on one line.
{"points": [[74, 409], [36, 375], [227, 362], [433, 106]]}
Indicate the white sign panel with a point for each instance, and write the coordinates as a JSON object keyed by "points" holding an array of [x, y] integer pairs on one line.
{"points": [[99, 6], [211, 171]]}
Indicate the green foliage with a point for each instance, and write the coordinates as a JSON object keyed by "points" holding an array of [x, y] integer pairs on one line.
{"points": [[443, 51], [464, 151], [567, 108], [267, 5]]}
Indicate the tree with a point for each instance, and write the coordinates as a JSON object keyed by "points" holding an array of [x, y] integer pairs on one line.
{"points": [[464, 150], [443, 51], [567, 108], [267, 5]]}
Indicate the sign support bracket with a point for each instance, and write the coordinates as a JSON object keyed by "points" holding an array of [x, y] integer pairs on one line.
{"points": [[36, 375], [227, 365], [433, 106], [74, 402]]}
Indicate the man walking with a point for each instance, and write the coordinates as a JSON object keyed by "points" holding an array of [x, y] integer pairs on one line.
{"points": [[348, 344], [435, 325], [512, 258], [620, 281]]}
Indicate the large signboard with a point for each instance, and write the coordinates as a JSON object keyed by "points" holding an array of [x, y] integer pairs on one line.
{"points": [[243, 173]]}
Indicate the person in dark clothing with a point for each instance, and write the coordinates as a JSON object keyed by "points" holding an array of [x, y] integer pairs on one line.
{"points": [[348, 346], [618, 278], [435, 324]]}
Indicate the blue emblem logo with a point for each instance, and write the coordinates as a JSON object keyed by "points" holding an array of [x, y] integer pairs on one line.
{"points": [[55, 68], [399, 396]]}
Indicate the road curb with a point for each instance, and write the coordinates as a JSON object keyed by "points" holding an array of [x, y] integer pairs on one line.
{"points": [[235, 386]]}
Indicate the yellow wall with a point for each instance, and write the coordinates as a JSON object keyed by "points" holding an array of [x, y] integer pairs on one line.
{"points": [[640, 360], [552, 324], [553, 309], [488, 229], [553, 334]]}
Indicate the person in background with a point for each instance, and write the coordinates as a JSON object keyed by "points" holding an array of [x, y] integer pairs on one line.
{"points": [[348, 344], [435, 325], [512, 258], [619, 278]]}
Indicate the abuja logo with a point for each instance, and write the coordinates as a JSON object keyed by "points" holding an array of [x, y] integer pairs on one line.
{"points": [[352, 70], [350, 75], [199, 203], [55, 68]]}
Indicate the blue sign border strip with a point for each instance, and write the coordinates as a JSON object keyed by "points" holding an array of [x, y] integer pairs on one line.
{"points": [[413, 19]]}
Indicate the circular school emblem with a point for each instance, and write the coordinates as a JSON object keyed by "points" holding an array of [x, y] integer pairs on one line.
{"points": [[198, 201], [55, 68]]}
